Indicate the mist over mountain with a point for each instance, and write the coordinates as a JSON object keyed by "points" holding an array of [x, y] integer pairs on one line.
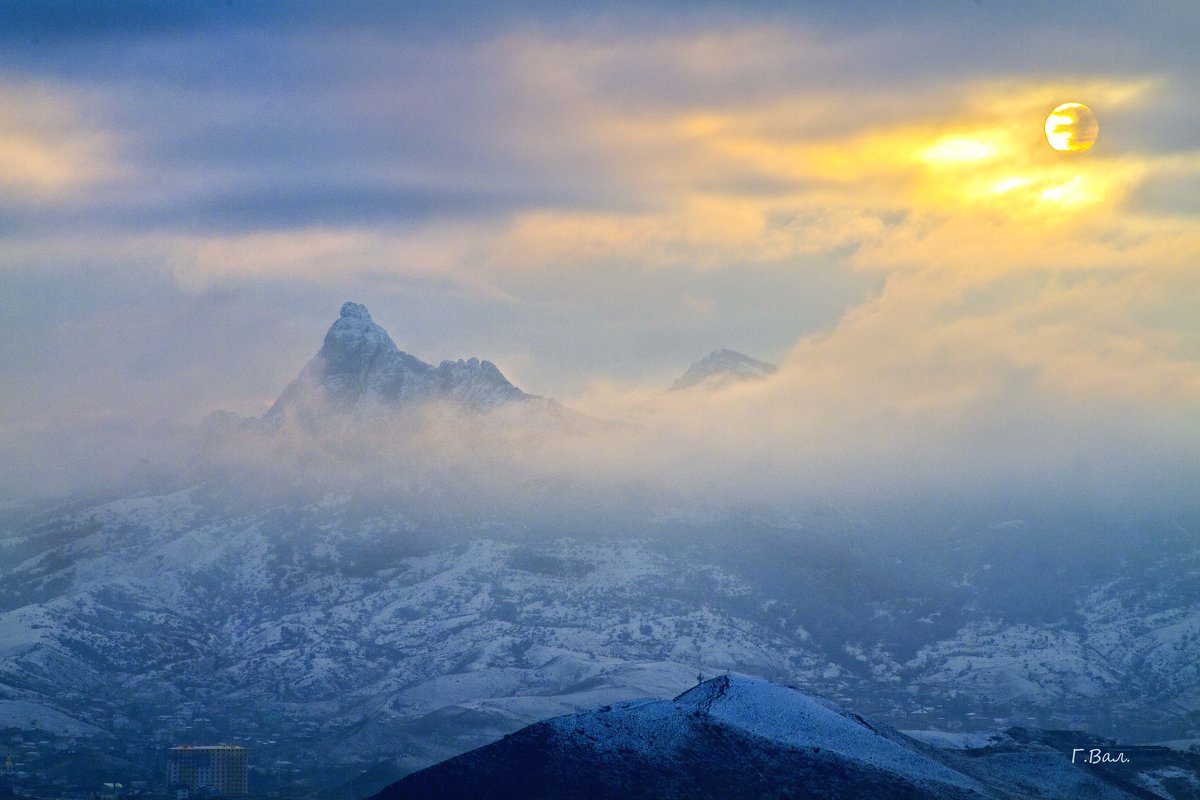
{"points": [[363, 413], [365, 417], [721, 367]]}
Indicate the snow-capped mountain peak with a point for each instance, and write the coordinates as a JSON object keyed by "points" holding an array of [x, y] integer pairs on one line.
{"points": [[356, 346], [360, 369], [351, 310], [721, 367]]}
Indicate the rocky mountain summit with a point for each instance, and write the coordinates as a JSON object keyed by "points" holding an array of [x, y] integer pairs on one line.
{"points": [[360, 371]]}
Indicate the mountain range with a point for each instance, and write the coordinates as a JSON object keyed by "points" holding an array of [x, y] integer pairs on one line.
{"points": [[351, 635]]}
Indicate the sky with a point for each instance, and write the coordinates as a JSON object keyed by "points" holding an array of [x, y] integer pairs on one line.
{"points": [[594, 199]]}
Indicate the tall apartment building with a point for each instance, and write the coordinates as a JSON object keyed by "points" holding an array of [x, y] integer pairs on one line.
{"points": [[220, 768]]}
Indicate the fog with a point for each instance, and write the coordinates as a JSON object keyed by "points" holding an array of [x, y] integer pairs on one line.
{"points": [[949, 420]]}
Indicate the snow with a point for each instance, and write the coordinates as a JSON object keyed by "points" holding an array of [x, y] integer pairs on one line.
{"points": [[142, 591], [1043, 773], [26, 714], [1152, 780], [360, 374], [1014, 663], [781, 714], [957, 740], [24, 628], [794, 718]]}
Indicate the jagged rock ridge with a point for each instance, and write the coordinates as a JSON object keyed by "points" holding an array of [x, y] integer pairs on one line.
{"points": [[360, 370]]}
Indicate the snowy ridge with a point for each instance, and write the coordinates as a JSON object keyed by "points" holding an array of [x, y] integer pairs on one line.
{"points": [[728, 738], [781, 714], [735, 737], [796, 719]]}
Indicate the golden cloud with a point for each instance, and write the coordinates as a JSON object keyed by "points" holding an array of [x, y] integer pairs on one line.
{"points": [[48, 148]]}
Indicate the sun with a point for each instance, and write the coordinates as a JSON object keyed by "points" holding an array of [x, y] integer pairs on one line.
{"points": [[1072, 128]]}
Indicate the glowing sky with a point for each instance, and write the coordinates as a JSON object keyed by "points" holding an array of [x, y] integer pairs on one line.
{"points": [[593, 200]]}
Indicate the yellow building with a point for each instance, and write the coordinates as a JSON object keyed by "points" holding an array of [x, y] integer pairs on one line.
{"points": [[220, 768]]}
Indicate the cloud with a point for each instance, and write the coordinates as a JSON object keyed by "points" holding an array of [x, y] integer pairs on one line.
{"points": [[320, 254], [911, 399], [540, 149], [48, 148], [954, 304]]}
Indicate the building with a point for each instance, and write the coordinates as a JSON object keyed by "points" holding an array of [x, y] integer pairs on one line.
{"points": [[217, 769]]}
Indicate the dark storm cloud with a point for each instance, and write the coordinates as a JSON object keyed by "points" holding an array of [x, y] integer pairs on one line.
{"points": [[64, 35], [276, 205], [66, 21]]}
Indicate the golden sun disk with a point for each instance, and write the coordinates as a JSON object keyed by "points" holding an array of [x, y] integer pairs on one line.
{"points": [[1072, 128]]}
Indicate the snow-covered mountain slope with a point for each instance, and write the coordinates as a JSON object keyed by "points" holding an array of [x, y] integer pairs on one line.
{"points": [[364, 633], [722, 367], [799, 720], [342, 624], [736, 737], [732, 737]]}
